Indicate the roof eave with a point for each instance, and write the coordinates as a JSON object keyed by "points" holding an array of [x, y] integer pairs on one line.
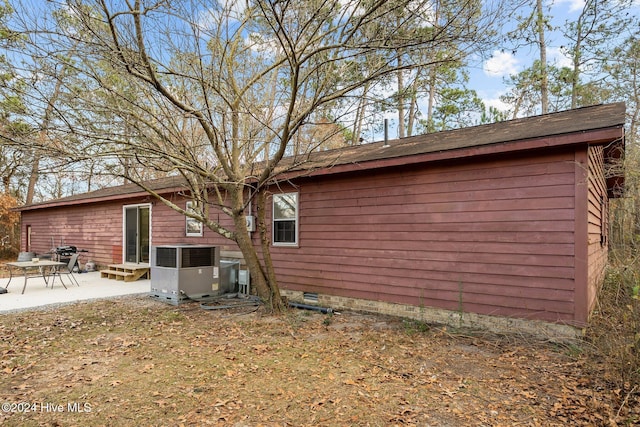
{"points": [[110, 198], [595, 137]]}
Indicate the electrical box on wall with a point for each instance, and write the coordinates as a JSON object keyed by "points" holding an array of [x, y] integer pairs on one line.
{"points": [[251, 224]]}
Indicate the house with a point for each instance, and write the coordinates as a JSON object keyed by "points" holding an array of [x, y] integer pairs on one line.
{"points": [[502, 225]]}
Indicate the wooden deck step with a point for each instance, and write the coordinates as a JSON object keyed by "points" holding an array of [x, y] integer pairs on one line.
{"points": [[126, 272]]}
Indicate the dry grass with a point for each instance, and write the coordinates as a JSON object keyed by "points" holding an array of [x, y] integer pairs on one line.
{"points": [[139, 362], [614, 329]]}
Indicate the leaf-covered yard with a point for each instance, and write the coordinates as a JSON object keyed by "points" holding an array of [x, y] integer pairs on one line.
{"points": [[139, 362]]}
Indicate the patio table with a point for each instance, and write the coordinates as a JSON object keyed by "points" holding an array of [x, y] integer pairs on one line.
{"points": [[26, 266]]}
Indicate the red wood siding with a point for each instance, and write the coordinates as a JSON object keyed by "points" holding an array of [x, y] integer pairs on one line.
{"points": [[512, 236], [96, 228], [597, 223], [492, 237], [169, 227]]}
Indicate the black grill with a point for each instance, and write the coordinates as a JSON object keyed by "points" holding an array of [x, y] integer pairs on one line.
{"points": [[66, 251], [198, 257], [166, 257]]}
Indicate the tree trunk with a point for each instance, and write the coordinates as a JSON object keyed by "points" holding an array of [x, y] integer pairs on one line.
{"points": [[432, 98], [412, 108], [544, 78], [400, 101], [276, 304], [576, 69], [362, 109], [6, 182], [260, 267], [516, 107], [35, 167], [33, 179], [257, 271]]}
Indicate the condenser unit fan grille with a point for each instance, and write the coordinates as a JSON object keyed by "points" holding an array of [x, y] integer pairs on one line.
{"points": [[166, 257], [198, 257]]}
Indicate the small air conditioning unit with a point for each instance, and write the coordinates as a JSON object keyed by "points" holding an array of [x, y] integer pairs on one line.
{"points": [[229, 275], [251, 223], [181, 272]]}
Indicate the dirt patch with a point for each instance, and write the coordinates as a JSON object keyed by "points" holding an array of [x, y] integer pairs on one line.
{"points": [[136, 361]]}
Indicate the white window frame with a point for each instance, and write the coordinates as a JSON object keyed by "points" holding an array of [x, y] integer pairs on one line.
{"points": [[193, 222], [274, 220]]}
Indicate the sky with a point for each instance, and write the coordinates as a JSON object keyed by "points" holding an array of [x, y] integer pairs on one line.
{"points": [[487, 77], [488, 80]]}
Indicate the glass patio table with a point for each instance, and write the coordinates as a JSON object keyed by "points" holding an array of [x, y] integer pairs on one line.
{"points": [[27, 267]]}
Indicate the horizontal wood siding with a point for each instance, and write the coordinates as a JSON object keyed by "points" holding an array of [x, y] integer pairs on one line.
{"points": [[492, 237], [597, 223], [169, 227], [96, 228]]}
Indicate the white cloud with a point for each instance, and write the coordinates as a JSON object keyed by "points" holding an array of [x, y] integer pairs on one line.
{"points": [[574, 5], [348, 8], [558, 58], [501, 64], [426, 11], [497, 103], [491, 98], [224, 11], [259, 43], [235, 8]]}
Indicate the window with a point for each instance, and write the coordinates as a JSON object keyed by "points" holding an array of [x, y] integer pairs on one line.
{"points": [[194, 227], [285, 219]]}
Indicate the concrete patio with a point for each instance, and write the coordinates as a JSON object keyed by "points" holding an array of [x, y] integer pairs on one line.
{"points": [[92, 286]]}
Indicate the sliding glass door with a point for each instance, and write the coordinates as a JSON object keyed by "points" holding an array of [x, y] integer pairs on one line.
{"points": [[137, 233]]}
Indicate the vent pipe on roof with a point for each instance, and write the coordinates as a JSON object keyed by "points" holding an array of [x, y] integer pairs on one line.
{"points": [[386, 133]]}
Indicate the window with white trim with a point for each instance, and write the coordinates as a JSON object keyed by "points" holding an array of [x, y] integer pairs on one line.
{"points": [[285, 219], [193, 226]]}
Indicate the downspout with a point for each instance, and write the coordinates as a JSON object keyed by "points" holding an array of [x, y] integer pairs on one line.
{"points": [[324, 310]]}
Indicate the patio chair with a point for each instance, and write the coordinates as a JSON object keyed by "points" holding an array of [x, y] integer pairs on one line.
{"points": [[26, 256], [66, 270]]}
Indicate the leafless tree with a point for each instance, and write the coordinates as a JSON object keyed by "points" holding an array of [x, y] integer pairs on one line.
{"points": [[219, 93]]}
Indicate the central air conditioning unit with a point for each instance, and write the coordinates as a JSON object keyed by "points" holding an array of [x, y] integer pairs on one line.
{"points": [[181, 272]]}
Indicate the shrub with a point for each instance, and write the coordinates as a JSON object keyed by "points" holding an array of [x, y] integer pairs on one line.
{"points": [[9, 226]]}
